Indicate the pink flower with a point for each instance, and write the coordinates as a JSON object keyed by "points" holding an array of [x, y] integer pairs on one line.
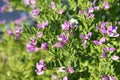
{"points": [[40, 67], [3, 8], [115, 57], [101, 41], [60, 11], [35, 12], [91, 9], [106, 5], [44, 46], [39, 25], [63, 38], [66, 25], [80, 12], [52, 5], [103, 55], [26, 2], [70, 69], [9, 32], [39, 34], [65, 78], [54, 77]]}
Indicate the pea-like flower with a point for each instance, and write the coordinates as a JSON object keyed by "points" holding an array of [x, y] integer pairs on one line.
{"points": [[85, 38], [115, 57], [101, 41], [103, 55], [60, 11], [65, 78], [105, 77], [63, 38], [52, 5], [44, 46], [39, 34], [106, 5], [35, 12], [9, 32], [41, 26], [31, 48], [66, 25], [40, 67], [112, 31], [108, 49]]}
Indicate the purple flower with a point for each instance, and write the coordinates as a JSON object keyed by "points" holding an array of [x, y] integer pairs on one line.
{"points": [[44, 46], [52, 5], [102, 27], [91, 9], [39, 25], [46, 24], [33, 2], [106, 5], [63, 38], [103, 55], [39, 34], [3, 8], [31, 48], [42, 26], [89, 15], [9, 32], [60, 11], [33, 41], [35, 12], [115, 57], [59, 44], [101, 41], [112, 31], [66, 25], [108, 49], [17, 32], [70, 69], [85, 38], [65, 78], [105, 77], [40, 67]]}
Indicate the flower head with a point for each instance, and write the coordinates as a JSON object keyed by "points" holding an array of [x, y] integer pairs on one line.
{"points": [[105, 77], [63, 38], [52, 5], [70, 69], [112, 31], [115, 57], [108, 49], [31, 48], [103, 55], [65, 78], [40, 67], [60, 11], [44, 46], [39, 34], [9, 32], [106, 5], [101, 41], [66, 25], [35, 12]]}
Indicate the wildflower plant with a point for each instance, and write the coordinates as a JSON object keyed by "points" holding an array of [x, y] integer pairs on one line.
{"points": [[69, 40]]}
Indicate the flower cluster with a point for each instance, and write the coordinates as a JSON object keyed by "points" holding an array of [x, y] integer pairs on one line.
{"points": [[31, 46]]}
